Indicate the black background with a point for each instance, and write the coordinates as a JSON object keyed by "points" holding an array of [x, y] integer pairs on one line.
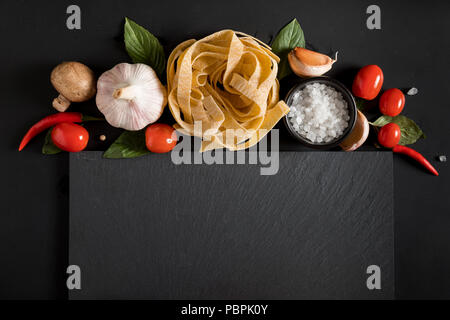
{"points": [[412, 49]]}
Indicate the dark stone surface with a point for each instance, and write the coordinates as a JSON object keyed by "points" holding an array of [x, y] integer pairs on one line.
{"points": [[146, 228], [411, 48]]}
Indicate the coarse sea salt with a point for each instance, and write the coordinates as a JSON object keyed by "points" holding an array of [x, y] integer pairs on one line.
{"points": [[319, 113]]}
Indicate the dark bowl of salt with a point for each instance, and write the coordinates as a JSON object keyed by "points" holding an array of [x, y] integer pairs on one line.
{"points": [[323, 112]]}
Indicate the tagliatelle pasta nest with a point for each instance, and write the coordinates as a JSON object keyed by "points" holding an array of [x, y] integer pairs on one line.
{"points": [[227, 83]]}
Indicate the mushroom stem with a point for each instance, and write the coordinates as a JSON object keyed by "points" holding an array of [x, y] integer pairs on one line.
{"points": [[61, 103], [126, 93]]}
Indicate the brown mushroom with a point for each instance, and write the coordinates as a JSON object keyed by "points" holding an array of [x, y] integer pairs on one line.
{"points": [[74, 81]]}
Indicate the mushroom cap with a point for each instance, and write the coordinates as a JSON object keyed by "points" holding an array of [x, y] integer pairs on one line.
{"points": [[148, 101], [74, 80]]}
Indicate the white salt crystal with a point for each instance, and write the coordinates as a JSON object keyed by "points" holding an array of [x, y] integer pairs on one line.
{"points": [[412, 92], [319, 113]]}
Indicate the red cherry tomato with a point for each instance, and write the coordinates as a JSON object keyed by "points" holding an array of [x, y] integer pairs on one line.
{"points": [[368, 82], [389, 135], [392, 102], [160, 138], [70, 137]]}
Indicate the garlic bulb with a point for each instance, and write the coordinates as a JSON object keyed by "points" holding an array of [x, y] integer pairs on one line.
{"points": [[130, 96], [307, 63]]}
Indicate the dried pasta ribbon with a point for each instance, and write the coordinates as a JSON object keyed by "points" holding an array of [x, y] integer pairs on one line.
{"points": [[227, 81]]}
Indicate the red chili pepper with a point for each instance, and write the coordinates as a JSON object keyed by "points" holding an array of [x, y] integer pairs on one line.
{"points": [[417, 156], [48, 122]]}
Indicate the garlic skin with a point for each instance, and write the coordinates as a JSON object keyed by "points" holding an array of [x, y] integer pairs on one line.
{"points": [[130, 96], [359, 134], [306, 63]]}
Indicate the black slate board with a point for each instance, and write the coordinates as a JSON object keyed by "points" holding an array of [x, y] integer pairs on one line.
{"points": [[146, 228]]}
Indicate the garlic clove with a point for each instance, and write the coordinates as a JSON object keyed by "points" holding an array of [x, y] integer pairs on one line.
{"points": [[307, 63], [130, 96], [358, 135]]}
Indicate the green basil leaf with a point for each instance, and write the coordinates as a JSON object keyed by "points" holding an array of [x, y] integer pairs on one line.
{"points": [[143, 47], [130, 144], [381, 121], [49, 147], [410, 130], [288, 38], [360, 104]]}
